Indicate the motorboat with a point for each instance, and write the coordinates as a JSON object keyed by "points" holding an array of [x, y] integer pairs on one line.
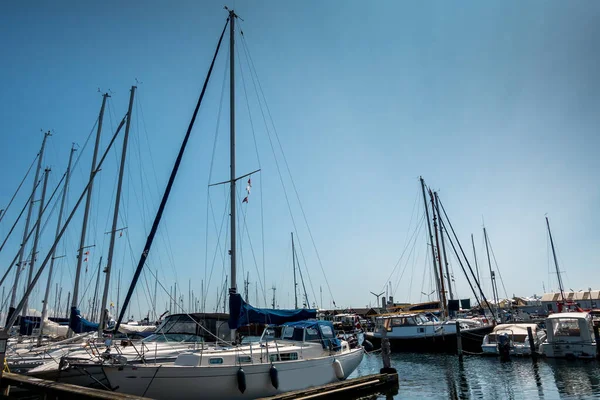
{"points": [[419, 333], [514, 337], [570, 335]]}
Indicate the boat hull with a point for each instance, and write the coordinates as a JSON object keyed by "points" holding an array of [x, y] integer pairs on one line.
{"points": [[446, 343], [221, 382], [568, 350]]}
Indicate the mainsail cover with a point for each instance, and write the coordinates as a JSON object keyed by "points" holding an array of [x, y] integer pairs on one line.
{"points": [[79, 324], [242, 313]]}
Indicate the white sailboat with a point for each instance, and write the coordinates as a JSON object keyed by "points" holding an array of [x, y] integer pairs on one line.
{"points": [[296, 356]]}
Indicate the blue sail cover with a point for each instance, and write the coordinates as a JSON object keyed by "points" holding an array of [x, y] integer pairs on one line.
{"points": [[242, 313], [79, 324]]}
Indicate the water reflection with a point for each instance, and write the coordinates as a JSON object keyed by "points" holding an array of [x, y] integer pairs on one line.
{"points": [[429, 376]]}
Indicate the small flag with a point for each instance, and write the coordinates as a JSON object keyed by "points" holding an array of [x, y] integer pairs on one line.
{"points": [[245, 199], [121, 234], [87, 252], [250, 182], [85, 259], [112, 304]]}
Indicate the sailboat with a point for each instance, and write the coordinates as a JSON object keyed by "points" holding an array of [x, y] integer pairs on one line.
{"points": [[423, 331], [295, 353]]}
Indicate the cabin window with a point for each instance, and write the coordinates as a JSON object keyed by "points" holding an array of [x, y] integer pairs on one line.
{"points": [[421, 330], [326, 331], [215, 360], [388, 324], [288, 356], [566, 327], [244, 359], [288, 332], [274, 357], [311, 335]]}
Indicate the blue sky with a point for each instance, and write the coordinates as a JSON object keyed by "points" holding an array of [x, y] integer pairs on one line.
{"points": [[493, 103]]}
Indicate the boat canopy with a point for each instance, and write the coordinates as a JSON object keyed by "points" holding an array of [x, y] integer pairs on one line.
{"points": [[321, 331], [242, 313], [79, 324]]}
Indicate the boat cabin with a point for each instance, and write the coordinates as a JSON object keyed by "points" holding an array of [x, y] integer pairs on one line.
{"points": [[570, 335], [195, 327], [304, 331]]}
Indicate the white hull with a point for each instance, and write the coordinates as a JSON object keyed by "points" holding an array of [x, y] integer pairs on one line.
{"points": [[569, 350], [220, 382]]}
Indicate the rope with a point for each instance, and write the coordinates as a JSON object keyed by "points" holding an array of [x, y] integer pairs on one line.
{"points": [[19, 188], [253, 69]]}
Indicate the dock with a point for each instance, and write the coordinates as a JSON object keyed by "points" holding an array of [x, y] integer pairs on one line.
{"points": [[348, 389], [17, 386]]}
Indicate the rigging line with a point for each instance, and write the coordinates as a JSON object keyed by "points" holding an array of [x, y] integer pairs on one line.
{"points": [[414, 245], [497, 268], [280, 175], [262, 219], [289, 173], [252, 250], [20, 214], [218, 249], [466, 260], [165, 197], [18, 188], [32, 230], [417, 228], [63, 229], [212, 160]]}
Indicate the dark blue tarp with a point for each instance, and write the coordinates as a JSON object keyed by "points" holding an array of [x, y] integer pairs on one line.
{"points": [[79, 324], [242, 313]]}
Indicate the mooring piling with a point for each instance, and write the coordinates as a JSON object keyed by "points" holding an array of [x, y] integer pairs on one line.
{"points": [[459, 341], [531, 342]]}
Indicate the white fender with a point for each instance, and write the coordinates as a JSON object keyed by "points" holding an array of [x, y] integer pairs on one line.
{"points": [[338, 369]]}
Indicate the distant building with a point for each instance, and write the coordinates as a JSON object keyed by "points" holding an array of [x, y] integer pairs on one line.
{"points": [[585, 299]]}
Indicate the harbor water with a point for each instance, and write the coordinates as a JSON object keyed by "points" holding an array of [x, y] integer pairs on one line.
{"points": [[442, 376]]}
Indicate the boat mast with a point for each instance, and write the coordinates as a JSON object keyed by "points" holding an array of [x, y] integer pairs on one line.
{"points": [[437, 208], [58, 226], [437, 278], [13, 296], [439, 257], [113, 231], [492, 274], [475, 256], [560, 285], [294, 267], [88, 203], [36, 239], [232, 250]]}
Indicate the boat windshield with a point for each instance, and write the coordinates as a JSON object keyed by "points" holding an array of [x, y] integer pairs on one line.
{"points": [[173, 337], [566, 327]]}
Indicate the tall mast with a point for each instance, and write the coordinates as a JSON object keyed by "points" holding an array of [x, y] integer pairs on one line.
{"points": [[113, 231], [560, 284], [437, 245], [492, 274], [294, 267], [437, 208], [58, 226], [232, 250], [36, 239], [475, 256], [88, 203], [13, 296], [437, 278]]}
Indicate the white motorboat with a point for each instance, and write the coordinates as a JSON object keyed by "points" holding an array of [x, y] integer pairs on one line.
{"points": [[570, 335], [516, 338], [299, 355]]}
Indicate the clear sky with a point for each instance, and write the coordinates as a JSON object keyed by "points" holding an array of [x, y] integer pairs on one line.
{"points": [[494, 103]]}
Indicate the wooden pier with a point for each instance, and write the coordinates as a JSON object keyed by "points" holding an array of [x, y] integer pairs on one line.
{"points": [[15, 386], [348, 389]]}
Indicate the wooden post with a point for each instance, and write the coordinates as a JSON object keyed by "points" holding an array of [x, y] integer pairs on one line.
{"points": [[597, 338], [459, 341], [531, 342], [385, 353]]}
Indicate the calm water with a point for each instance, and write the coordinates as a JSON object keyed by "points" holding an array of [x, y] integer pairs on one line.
{"points": [[433, 376]]}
